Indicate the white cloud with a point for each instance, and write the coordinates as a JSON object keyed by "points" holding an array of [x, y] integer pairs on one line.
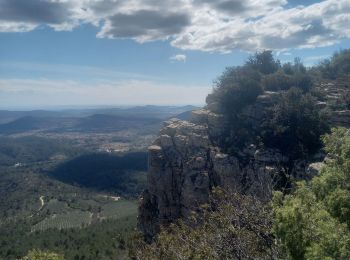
{"points": [[43, 92], [16, 27], [179, 57], [316, 25], [213, 26]]}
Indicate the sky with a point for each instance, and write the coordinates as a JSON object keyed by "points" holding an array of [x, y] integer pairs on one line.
{"points": [[159, 52]]}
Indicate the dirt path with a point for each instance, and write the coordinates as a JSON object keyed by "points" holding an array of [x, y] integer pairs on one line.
{"points": [[42, 202]]}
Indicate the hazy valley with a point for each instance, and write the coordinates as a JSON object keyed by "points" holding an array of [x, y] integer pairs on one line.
{"points": [[63, 170]]}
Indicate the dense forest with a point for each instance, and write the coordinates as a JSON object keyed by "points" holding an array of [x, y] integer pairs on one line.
{"points": [[59, 197], [30, 149]]}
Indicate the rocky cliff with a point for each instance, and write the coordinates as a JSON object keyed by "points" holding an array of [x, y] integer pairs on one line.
{"points": [[186, 162]]}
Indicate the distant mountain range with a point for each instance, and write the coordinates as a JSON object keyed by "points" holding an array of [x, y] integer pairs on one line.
{"points": [[88, 120]]}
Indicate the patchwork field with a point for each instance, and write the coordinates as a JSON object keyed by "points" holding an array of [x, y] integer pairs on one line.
{"points": [[72, 219], [61, 215]]}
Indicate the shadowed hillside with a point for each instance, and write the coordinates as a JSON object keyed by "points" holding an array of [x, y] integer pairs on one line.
{"points": [[121, 174]]}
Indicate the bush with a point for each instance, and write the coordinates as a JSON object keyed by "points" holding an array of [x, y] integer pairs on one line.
{"points": [[264, 62], [302, 81], [333, 185], [306, 230], [291, 75], [232, 226], [295, 125], [236, 88], [313, 222], [278, 81], [337, 65], [288, 68]]}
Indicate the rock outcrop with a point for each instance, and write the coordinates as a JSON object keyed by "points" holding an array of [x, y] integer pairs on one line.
{"points": [[337, 97], [186, 162]]}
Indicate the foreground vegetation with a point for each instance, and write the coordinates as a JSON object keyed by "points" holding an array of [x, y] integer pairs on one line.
{"points": [[314, 221], [231, 226]]}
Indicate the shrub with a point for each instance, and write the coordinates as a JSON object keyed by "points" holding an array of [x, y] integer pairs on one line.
{"points": [[295, 125], [302, 81], [264, 62], [306, 230], [313, 222], [278, 81], [236, 88], [231, 226], [288, 68], [337, 65], [333, 185], [291, 75]]}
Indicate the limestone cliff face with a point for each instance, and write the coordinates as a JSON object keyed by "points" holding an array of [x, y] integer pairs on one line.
{"points": [[185, 163]]}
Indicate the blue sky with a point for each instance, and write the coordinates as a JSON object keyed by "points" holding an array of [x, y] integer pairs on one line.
{"points": [[106, 52]]}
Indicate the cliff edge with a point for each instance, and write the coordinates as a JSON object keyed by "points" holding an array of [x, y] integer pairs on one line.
{"points": [[186, 162], [188, 158]]}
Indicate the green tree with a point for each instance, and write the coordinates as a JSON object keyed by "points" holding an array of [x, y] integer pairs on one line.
{"points": [[264, 62], [333, 185], [313, 222], [295, 125], [337, 65], [290, 75], [236, 88]]}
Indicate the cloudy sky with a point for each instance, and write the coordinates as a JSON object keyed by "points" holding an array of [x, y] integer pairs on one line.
{"points": [[125, 52]]}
